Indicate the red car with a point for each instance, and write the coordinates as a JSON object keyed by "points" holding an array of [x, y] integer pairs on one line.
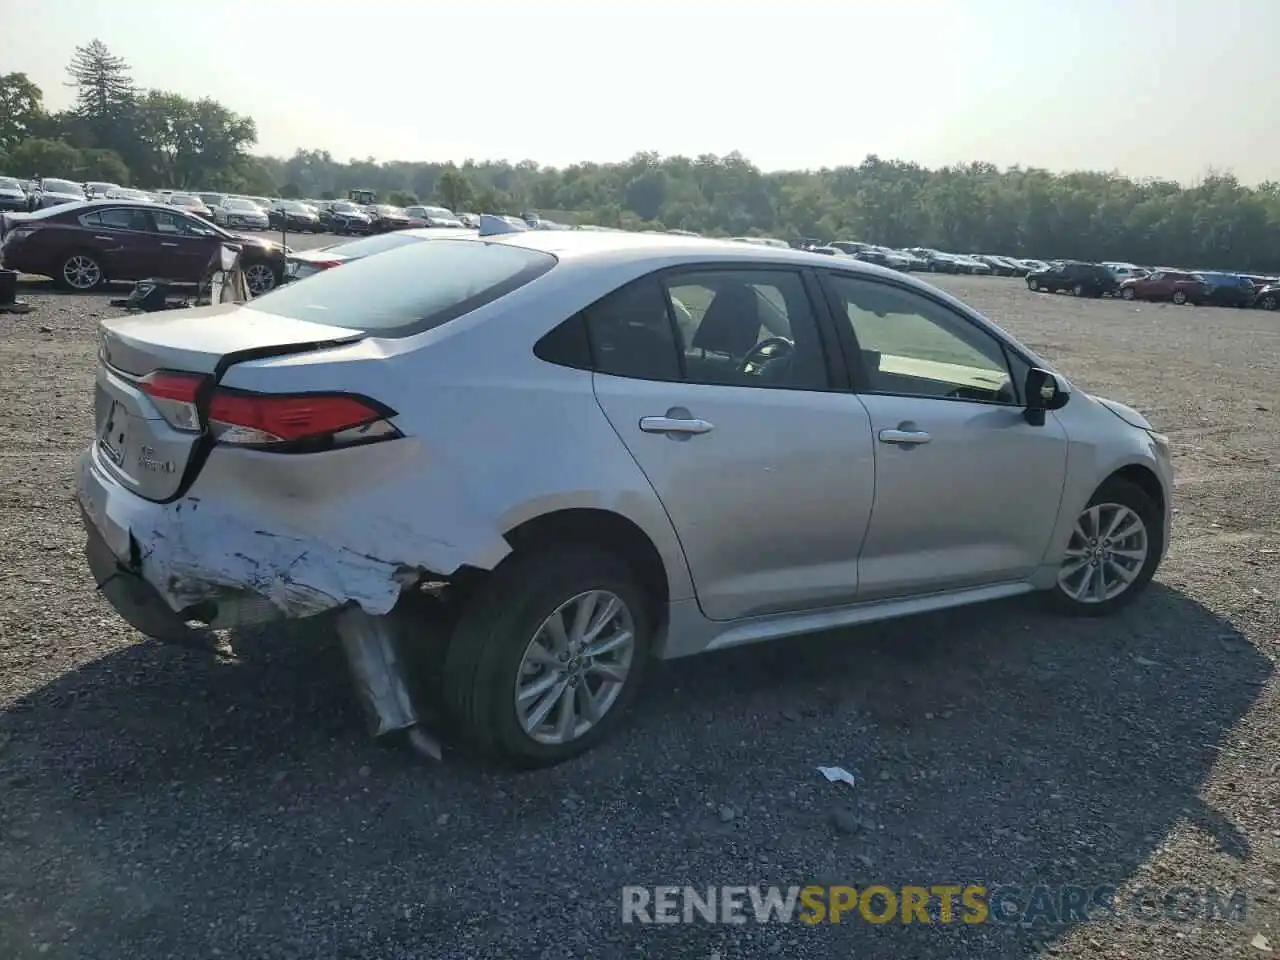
{"points": [[85, 245], [1166, 285]]}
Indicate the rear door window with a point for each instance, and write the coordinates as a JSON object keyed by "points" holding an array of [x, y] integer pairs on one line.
{"points": [[409, 289]]}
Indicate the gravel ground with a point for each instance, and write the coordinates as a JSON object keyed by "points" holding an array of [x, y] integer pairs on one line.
{"points": [[159, 802]]}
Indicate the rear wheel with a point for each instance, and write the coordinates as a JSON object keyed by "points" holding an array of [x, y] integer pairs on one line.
{"points": [[81, 271], [1032, 284], [1179, 297], [1113, 552], [1077, 289], [547, 655], [1129, 293], [1269, 302]]}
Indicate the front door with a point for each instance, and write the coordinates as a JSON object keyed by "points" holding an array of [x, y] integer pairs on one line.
{"points": [[967, 492], [716, 381], [185, 246]]}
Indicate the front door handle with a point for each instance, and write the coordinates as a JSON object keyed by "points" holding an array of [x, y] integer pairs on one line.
{"points": [[677, 425], [905, 437], [164, 244]]}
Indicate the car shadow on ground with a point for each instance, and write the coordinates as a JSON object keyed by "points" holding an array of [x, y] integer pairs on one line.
{"points": [[153, 793]]}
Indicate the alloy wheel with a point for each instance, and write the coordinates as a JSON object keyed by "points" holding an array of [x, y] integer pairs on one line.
{"points": [[574, 667], [1129, 293], [81, 272], [259, 278], [1106, 553], [1269, 303]]}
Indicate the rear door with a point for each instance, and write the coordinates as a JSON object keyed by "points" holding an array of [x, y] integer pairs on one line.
{"points": [[121, 235], [717, 381], [966, 491]]}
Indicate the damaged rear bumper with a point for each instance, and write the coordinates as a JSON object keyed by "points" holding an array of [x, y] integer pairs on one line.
{"points": [[163, 565]]}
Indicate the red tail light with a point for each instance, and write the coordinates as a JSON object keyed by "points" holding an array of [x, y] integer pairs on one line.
{"points": [[175, 396], [267, 420], [325, 264]]}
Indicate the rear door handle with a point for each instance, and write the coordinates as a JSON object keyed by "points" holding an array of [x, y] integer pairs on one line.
{"points": [[164, 244], [107, 239], [675, 425], [905, 437]]}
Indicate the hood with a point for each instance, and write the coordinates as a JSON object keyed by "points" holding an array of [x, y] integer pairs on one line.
{"points": [[1125, 413], [267, 246]]}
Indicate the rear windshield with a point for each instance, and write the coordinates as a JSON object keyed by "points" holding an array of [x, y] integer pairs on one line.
{"points": [[410, 289], [378, 243]]}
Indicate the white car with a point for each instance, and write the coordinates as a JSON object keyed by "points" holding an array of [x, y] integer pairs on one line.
{"points": [[435, 216], [124, 193], [1125, 271], [52, 192], [544, 458], [237, 212]]}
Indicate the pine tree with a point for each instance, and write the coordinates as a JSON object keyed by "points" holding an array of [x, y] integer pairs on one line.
{"points": [[104, 86]]}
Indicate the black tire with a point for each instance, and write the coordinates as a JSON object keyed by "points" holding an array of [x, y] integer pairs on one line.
{"points": [[1033, 285], [1179, 297], [1124, 493], [66, 264], [1077, 290], [1129, 293], [933, 268], [495, 628], [1269, 302]]}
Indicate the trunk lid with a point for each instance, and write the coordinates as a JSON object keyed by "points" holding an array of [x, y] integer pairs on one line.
{"points": [[145, 453]]}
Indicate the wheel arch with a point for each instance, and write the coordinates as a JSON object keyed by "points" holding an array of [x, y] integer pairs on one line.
{"points": [[602, 528], [1145, 479]]}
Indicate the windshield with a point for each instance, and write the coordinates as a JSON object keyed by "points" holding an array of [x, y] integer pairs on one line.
{"points": [[409, 289], [182, 199], [389, 211], [239, 205], [62, 186], [296, 207], [343, 207], [8, 183]]}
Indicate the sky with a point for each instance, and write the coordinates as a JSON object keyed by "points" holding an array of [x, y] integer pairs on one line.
{"points": [[1167, 88]]}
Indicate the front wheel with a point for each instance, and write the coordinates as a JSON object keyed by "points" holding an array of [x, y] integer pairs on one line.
{"points": [[1269, 302], [261, 278], [1179, 297], [1077, 290], [547, 655], [1032, 284], [1129, 293], [1113, 552]]}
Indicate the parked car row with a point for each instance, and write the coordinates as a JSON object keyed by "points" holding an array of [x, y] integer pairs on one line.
{"points": [[1132, 282], [923, 259]]}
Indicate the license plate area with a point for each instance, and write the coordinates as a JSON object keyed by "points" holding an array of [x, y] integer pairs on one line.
{"points": [[113, 438]]}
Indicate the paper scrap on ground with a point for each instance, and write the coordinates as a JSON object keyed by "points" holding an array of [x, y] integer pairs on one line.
{"points": [[838, 775]]}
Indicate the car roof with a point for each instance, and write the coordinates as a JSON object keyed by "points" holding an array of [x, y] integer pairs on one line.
{"points": [[590, 248]]}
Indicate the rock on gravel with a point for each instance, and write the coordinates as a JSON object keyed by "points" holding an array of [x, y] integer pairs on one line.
{"points": [[156, 802]]}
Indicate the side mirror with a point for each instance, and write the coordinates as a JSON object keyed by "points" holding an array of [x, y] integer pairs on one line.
{"points": [[1043, 391]]}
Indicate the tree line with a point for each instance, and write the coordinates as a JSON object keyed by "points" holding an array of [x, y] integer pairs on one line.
{"points": [[155, 139]]}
